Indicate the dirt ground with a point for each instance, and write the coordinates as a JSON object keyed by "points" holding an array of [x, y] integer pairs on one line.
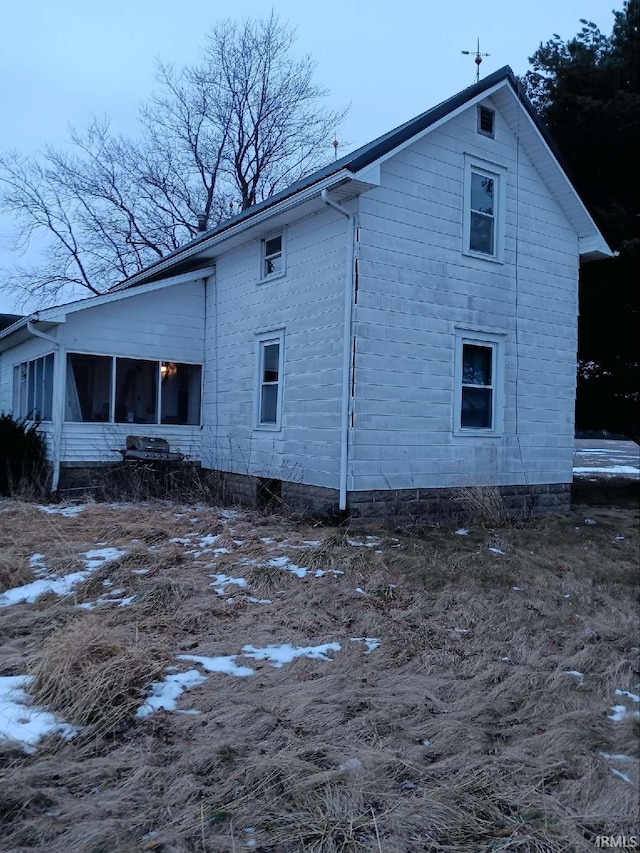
{"points": [[482, 720]]}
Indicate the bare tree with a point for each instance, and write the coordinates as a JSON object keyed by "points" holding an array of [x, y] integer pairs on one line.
{"points": [[216, 137]]}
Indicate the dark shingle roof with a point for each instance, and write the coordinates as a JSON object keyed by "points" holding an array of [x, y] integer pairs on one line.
{"points": [[356, 160], [7, 320]]}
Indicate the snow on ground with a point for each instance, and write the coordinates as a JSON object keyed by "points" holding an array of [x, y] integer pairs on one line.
{"points": [[604, 458], [372, 643], [285, 653], [163, 695], [620, 712], [225, 664], [26, 723], [69, 510], [221, 581], [57, 584]]}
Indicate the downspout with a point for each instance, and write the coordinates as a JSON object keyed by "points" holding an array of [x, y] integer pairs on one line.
{"points": [[57, 413], [346, 345]]}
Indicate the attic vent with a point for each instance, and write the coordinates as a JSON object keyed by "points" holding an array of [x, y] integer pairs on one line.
{"points": [[486, 121]]}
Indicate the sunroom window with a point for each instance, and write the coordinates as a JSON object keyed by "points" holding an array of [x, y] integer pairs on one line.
{"points": [[33, 389]]}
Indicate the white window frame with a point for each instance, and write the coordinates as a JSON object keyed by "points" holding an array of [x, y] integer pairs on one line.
{"points": [[263, 339], [264, 275], [495, 342], [499, 176], [21, 392]]}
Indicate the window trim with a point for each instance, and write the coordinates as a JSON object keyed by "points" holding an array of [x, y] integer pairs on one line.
{"points": [[495, 341], [489, 134], [263, 339], [499, 175], [264, 276], [112, 400], [16, 397]]}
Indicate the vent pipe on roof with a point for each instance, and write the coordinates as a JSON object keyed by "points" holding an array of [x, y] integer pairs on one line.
{"points": [[202, 221]]}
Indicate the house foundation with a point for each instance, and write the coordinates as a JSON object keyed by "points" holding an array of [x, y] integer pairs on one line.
{"points": [[398, 506]]}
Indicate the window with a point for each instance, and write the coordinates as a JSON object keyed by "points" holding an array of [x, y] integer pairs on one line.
{"points": [[180, 393], [486, 121], [478, 383], [484, 210], [33, 389], [273, 256], [270, 364], [106, 389], [88, 396]]}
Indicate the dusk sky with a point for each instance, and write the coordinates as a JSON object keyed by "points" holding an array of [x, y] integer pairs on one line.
{"points": [[63, 61]]}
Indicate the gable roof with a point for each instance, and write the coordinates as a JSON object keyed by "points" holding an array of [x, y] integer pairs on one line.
{"points": [[355, 162], [182, 263]]}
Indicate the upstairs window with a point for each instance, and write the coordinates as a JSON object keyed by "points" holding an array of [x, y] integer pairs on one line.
{"points": [[482, 225], [486, 121], [273, 256], [270, 364], [484, 210], [33, 389]]}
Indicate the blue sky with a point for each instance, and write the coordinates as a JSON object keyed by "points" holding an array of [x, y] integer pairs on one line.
{"points": [[62, 61]]}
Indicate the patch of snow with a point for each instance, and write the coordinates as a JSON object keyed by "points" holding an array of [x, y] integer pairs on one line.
{"points": [[517, 588], [426, 743], [350, 764], [622, 776], [496, 550], [180, 540], [361, 591], [507, 660], [252, 600], [367, 542], [610, 469], [619, 712], [24, 723], [266, 540], [616, 756], [286, 564], [574, 672], [163, 695], [461, 630], [590, 521], [462, 531], [139, 571], [372, 643], [220, 581], [68, 511], [633, 696], [285, 653], [226, 664], [60, 585], [619, 538], [229, 514]]}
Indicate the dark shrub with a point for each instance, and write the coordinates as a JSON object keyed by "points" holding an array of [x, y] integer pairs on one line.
{"points": [[22, 457]]}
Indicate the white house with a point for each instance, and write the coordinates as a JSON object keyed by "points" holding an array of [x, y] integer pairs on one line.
{"points": [[399, 323]]}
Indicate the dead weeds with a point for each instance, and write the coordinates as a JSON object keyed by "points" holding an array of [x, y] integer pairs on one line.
{"points": [[481, 722]]}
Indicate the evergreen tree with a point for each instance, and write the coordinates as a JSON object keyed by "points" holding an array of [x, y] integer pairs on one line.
{"points": [[587, 90]]}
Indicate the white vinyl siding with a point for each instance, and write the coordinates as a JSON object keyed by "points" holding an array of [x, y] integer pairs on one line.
{"points": [[418, 290]]}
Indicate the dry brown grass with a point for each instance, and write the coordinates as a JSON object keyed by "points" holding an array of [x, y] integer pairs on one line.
{"points": [[462, 732], [94, 675]]}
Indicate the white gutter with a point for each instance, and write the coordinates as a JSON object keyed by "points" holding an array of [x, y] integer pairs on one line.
{"points": [[346, 346], [58, 402]]}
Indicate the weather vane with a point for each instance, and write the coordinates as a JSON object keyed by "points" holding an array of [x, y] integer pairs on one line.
{"points": [[478, 58]]}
